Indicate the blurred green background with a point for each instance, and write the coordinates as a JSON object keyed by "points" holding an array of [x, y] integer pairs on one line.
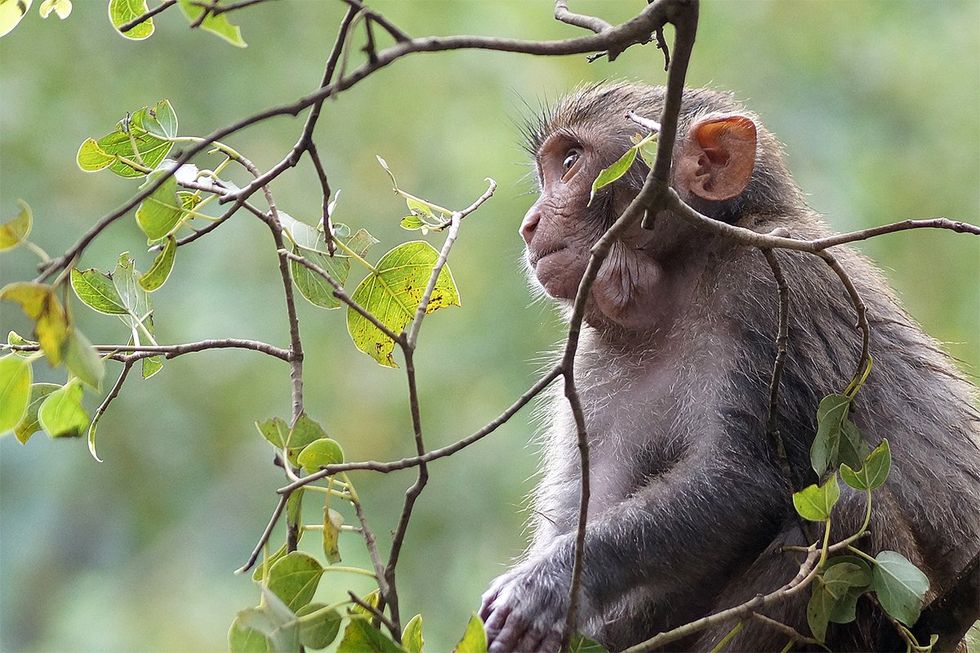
{"points": [[877, 103]]}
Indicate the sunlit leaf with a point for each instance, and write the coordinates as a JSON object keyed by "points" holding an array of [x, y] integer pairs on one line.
{"points": [[29, 425], [244, 639], [162, 266], [322, 630], [40, 304], [826, 444], [61, 7], [372, 598], [11, 13], [15, 391], [613, 172], [83, 361], [133, 150], [123, 11], [275, 430], [293, 578], [393, 292], [899, 585], [219, 24], [260, 570], [61, 414], [361, 637], [412, 635], [15, 231], [816, 502], [97, 291], [474, 639], [320, 453]]}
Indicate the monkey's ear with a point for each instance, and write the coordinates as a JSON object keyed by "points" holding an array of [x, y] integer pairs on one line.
{"points": [[718, 157]]}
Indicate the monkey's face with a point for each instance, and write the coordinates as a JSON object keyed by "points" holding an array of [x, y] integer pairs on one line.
{"points": [[638, 282], [559, 228]]}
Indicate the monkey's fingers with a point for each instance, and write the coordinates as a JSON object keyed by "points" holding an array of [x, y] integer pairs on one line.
{"points": [[494, 621], [552, 642], [531, 643], [512, 632]]}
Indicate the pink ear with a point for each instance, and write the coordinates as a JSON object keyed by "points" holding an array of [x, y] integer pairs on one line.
{"points": [[717, 158]]}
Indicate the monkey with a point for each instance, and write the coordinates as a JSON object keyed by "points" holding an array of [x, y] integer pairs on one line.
{"points": [[689, 509]]}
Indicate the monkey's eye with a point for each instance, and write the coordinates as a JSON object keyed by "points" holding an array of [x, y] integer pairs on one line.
{"points": [[570, 159]]}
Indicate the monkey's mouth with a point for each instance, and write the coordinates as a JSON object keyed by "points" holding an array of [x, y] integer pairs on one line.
{"points": [[537, 258]]}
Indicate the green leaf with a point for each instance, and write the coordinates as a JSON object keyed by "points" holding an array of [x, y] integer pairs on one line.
{"points": [[830, 417], [613, 172], [92, 158], [474, 639], [582, 644], [412, 635], [160, 120], [361, 637], [294, 510], [60, 7], [294, 578], [320, 453], [899, 585], [853, 448], [11, 13], [261, 569], [15, 231], [393, 292], [96, 291], [163, 264], [332, 521], [310, 243], [835, 593], [123, 11], [61, 414], [29, 425], [40, 304], [83, 361], [284, 636], [242, 639], [304, 431], [160, 214], [322, 630], [844, 610], [412, 223], [149, 151], [274, 430], [816, 502], [219, 24], [15, 392], [874, 471], [150, 366], [818, 610]]}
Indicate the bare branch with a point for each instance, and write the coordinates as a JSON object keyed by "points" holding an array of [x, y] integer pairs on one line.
{"points": [[136, 352], [264, 538], [593, 23]]}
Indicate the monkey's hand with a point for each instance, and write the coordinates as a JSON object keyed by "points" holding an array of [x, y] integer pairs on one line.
{"points": [[524, 609]]}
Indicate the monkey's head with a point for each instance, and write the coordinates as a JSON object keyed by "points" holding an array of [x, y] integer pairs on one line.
{"points": [[725, 165]]}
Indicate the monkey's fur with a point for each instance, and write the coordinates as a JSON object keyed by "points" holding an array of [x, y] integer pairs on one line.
{"points": [[689, 507]]}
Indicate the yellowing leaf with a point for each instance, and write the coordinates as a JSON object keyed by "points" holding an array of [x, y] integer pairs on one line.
{"points": [[393, 292], [40, 304], [15, 231], [29, 425]]}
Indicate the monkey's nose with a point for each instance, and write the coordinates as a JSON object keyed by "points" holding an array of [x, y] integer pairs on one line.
{"points": [[529, 224]]}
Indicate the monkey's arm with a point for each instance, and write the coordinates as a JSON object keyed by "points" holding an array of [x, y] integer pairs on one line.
{"points": [[678, 534]]}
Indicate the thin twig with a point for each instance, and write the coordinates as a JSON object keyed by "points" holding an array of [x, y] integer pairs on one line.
{"points": [[859, 308], [782, 337], [172, 351], [435, 454], [139, 20], [264, 538], [341, 294], [593, 23], [378, 614]]}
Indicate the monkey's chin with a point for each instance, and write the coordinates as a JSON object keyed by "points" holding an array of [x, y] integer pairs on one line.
{"points": [[559, 273]]}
